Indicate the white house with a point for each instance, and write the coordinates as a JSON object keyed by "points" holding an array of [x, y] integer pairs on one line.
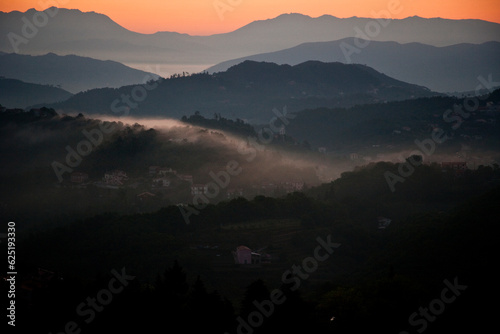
{"points": [[243, 255]]}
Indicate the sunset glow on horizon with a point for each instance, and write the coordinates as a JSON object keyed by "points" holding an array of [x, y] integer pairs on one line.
{"points": [[206, 17]]}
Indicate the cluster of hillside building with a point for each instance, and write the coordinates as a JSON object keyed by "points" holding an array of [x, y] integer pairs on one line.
{"points": [[165, 178]]}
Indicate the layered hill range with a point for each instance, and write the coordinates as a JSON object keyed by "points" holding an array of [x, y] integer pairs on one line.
{"points": [[97, 36], [447, 69], [249, 91], [35, 80], [441, 54]]}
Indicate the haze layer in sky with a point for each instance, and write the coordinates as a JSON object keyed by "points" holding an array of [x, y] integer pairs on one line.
{"points": [[206, 17]]}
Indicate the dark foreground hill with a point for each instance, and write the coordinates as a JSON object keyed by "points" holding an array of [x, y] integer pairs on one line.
{"points": [[331, 266]]}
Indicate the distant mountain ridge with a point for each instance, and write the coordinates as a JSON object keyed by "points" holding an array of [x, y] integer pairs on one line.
{"points": [[251, 90], [443, 69], [72, 73], [97, 36]]}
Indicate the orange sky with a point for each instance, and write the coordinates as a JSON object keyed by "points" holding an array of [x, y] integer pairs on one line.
{"points": [[199, 17]]}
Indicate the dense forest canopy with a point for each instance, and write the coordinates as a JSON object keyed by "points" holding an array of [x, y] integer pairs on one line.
{"points": [[357, 251]]}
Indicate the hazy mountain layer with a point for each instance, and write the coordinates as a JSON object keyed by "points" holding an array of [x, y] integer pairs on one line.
{"points": [[72, 73], [19, 94], [95, 35], [454, 68]]}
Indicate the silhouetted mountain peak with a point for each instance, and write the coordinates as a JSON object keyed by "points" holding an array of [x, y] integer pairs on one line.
{"points": [[250, 67], [292, 16], [309, 71]]}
